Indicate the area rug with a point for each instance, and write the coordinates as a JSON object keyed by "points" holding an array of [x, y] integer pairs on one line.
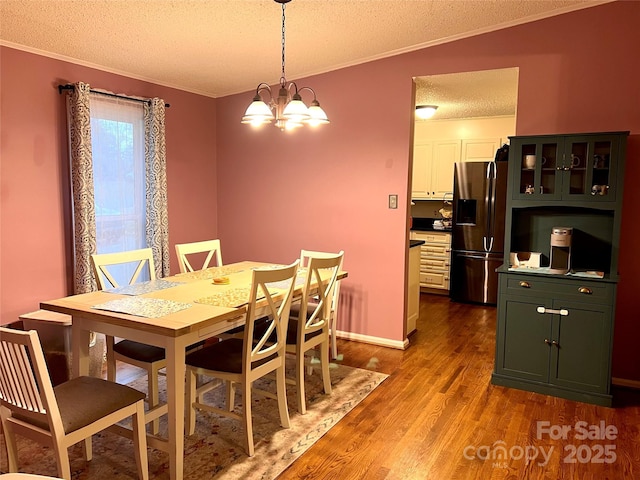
{"points": [[216, 450]]}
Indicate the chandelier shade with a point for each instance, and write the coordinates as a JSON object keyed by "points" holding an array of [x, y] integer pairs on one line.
{"points": [[288, 110]]}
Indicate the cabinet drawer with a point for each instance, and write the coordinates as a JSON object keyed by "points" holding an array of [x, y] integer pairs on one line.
{"points": [[434, 280], [434, 250], [433, 237], [437, 238], [434, 264], [575, 290]]}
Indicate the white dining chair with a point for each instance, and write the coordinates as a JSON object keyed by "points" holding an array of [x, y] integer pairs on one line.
{"points": [[148, 357], [309, 326], [186, 251], [241, 361], [64, 415], [305, 256]]}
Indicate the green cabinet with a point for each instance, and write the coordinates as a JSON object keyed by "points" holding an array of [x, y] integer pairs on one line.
{"points": [[554, 336], [580, 168], [555, 332]]}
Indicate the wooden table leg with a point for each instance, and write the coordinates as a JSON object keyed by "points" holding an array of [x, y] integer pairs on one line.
{"points": [[175, 353]]}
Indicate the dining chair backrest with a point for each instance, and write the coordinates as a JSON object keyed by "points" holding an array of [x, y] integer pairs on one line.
{"points": [[305, 256], [184, 251], [102, 264], [25, 387], [272, 342], [320, 283]]}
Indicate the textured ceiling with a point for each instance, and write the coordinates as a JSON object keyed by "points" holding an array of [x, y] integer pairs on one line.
{"points": [[220, 47], [487, 93]]}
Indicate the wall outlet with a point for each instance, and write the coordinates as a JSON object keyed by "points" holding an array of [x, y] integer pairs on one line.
{"points": [[393, 201]]}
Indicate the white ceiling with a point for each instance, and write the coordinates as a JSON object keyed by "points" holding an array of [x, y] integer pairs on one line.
{"points": [[220, 47], [487, 93]]}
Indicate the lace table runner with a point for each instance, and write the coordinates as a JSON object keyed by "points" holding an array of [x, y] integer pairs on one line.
{"points": [[143, 307], [213, 272], [143, 287], [232, 297]]}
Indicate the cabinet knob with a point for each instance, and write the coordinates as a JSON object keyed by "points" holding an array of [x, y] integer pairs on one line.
{"points": [[556, 344], [546, 340], [585, 290], [524, 284]]}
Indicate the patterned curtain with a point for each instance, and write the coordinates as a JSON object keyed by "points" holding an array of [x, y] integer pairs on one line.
{"points": [[156, 190], [84, 215]]}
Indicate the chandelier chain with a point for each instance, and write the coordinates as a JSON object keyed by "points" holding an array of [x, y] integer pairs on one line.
{"points": [[283, 79]]}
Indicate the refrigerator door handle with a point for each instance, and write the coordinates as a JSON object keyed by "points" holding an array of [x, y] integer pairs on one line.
{"points": [[490, 202], [487, 243]]}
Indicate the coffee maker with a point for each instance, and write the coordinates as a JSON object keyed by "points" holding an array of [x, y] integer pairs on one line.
{"points": [[560, 256]]}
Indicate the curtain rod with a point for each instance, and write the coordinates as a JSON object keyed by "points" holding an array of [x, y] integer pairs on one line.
{"points": [[70, 86]]}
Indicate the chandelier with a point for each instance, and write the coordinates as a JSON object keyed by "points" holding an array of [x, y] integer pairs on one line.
{"points": [[290, 111]]}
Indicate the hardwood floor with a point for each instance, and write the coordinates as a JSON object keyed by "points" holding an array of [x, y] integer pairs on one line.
{"points": [[438, 417]]}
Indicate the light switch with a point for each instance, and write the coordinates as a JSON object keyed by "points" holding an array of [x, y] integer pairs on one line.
{"points": [[393, 201]]}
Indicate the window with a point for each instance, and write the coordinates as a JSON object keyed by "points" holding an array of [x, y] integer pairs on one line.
{"points": [[117, 143]]}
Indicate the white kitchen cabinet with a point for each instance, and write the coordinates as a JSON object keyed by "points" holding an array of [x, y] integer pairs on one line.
{"points": [[433, 162], [435, 258], [479, 149]]}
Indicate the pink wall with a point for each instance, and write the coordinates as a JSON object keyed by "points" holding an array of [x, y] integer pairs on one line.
{"points": [[35, 258], [263, 193], [579, 76]]}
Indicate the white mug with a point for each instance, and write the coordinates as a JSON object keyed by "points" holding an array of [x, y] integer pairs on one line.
{"points": [[529, 161]]}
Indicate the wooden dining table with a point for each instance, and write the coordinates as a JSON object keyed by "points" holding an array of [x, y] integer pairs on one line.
{"points": [[173, 313]]}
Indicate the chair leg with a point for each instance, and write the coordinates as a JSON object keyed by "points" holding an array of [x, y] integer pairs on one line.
{"points": [[154, 398], [246, 415], [324, 361], [332, 338], [62, 457], [12, 451], [111, 358], [231, 395], [140, 442], [87, 449], [302, 406], [190, 392], [281, 388]]}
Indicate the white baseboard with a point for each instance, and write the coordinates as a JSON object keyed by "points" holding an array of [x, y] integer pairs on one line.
{"points": [[383, 342], [623, 382]]}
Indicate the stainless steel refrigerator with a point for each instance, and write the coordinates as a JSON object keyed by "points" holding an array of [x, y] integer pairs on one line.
{"points": [[477, 243]]}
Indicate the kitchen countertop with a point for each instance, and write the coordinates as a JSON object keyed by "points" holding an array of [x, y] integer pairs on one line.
{"points": [[426, 225], [430, 229]]}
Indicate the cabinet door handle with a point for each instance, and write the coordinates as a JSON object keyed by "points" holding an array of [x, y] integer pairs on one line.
{"points": [[585, 290], [556, 344], [563, 311], [546, 340], [524, 284]]}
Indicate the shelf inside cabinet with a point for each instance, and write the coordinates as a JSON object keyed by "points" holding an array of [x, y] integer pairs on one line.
{"points": [[592, 242]]}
